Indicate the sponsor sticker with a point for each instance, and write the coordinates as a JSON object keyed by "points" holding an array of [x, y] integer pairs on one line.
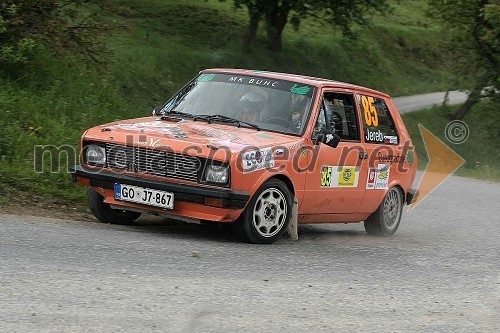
{"points": [[289, 86], [213, 133], [299, 90], [258, 159], [206, 77], [390, 139], [378, 178], [409, 156], [339, 176], [390, 158], [372, 175]]}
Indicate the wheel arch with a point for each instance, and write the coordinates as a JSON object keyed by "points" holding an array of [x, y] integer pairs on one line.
{"points": [[263, 179], [268, 176], [286, 180], [398, 184], [400, 187], [394, 183]]}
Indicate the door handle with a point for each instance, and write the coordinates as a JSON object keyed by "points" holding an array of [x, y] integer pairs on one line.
{"points": [[363, 155]]}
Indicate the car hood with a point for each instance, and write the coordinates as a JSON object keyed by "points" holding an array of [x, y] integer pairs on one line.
{"points": [[179, 135]]}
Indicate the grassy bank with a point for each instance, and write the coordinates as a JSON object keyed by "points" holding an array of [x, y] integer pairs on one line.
{"points": [[54, 99], [480, 150]]}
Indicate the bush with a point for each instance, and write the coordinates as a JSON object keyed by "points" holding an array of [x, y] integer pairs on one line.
{"points": [[61, 25], [15, 47]]}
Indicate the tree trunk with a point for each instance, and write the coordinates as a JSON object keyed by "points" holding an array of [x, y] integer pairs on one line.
{"points": [[276, 19], [274, 39], [253, 25], [446, 99], [472, 100]]}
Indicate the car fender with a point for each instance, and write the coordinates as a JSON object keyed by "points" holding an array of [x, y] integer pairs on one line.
{"points": [[395, 182], [265, 176]]}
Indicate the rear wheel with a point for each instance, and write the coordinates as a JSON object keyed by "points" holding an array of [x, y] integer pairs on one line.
{"points": [[267, 214], [385, 220], [104, 213]]}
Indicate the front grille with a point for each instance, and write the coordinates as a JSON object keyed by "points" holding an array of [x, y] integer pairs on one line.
{"points": [[153, 162]]}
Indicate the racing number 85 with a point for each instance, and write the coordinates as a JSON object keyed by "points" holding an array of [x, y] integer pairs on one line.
{"points": [[326, 176], [369, 110]]}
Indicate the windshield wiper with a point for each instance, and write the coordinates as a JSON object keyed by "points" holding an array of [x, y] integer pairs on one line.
{"points": [[201, 117], [178, 113], [226, 119], [169, 114]]}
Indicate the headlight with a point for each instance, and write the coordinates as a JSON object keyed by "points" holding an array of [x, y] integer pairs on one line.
{"points": [[95, 154], [216, 174]]}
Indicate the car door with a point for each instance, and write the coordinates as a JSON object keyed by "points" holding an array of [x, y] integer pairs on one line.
{"points": [[333, 183], [383, 146]]}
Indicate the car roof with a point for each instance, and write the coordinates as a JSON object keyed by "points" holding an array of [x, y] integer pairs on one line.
{"points": [[316, 81]]}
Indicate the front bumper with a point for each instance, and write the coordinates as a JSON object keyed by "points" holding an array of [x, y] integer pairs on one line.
{"points": [[182, 192]]}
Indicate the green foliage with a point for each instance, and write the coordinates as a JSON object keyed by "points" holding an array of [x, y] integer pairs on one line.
{"points": [[480, 150], [74, 25], [14, 48], [278, 13], [53, 107], [472, 33], [17, 52], [348, 14]]}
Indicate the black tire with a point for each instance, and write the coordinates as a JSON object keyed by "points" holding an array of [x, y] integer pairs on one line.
{"points": [[386, 219], [267, 215], [104, 213]]}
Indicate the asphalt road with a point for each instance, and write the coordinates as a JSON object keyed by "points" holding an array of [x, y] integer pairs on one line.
{"points": [[439, 273], [418, 102]]}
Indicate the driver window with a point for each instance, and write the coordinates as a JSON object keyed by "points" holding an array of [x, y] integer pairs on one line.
{"points": [[320, 122], [339, 115]]}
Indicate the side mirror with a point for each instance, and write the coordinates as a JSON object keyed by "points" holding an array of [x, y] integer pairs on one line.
{"points": [[328, 137]]}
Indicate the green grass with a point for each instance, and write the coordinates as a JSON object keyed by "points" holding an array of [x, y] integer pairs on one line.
{"points": [[398, 54], [480, 150], [55, 99]]}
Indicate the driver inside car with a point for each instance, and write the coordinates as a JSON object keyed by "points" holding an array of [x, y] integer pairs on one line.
{"points": [[298, 107], [252, 104]]}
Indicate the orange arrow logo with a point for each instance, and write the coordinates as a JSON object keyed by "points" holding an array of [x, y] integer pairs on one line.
{"points": [[443, 162]]}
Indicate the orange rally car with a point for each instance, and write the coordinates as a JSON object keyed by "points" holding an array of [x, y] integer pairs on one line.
{"points": [[244, 147]]}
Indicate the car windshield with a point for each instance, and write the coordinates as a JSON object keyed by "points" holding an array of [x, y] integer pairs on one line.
{"points": [[270, 104]]}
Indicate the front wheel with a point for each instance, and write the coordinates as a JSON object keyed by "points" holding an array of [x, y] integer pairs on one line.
{"points": [[105, 213], [267, 215], [385, 220]]}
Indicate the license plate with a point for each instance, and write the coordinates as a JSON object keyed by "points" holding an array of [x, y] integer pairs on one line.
{"points": [[145, 196]]}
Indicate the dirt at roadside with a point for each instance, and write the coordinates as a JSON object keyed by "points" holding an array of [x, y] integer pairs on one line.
{"points": [[28, 204], [35, 205], [60, 213]]}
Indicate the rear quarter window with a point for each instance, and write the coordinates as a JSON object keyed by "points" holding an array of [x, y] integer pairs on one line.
{"points": [[378, 125]]}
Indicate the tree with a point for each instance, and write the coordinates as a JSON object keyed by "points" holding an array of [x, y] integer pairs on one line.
{"points": [[278, 13], [57, 24], [473, 29], [276, 17], [255, 8], [275, 14]]}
